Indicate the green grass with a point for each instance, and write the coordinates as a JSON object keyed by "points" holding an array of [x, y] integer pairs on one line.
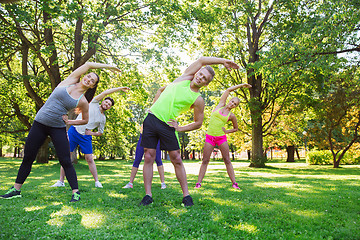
{"points": [[282, 201]]}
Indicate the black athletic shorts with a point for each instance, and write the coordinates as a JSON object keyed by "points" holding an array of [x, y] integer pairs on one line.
{"points": [[155, 129]]}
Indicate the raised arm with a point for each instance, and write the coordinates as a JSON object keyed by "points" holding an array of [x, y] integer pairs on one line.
{"points": [[233, 119], [198, 106], [225, 95], [110, 91], [75, 75], [203, 61]]}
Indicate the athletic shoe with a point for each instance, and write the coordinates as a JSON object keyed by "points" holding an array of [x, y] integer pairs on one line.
{"points": [[235, 185], [163, 185], [75, 197], [129, 185], [198, 185], [12, 193], [98, 184], [146, 200], [187, 201], [58, 184]]}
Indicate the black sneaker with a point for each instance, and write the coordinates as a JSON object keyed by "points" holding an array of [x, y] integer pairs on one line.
{"points": [[146, 200], [187, 201], [75, 197], [12, 193]]}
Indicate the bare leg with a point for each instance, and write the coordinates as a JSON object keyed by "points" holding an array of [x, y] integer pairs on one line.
{"points": [[179, 170], [62, 174], [90, 160], [134, 171], [224, 148], [208, 149], [17, 186], [161, 173], [149, 158]]}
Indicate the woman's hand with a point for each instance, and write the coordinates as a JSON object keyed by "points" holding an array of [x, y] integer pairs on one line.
{"points": [[65, 119], [114, 69], [245, 85], [125, 89]]}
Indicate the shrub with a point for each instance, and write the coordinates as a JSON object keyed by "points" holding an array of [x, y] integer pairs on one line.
{"points": [[321, 157], [324, 157]]}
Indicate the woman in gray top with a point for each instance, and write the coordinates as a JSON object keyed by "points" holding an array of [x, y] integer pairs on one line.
{"points": [[51, 119]]}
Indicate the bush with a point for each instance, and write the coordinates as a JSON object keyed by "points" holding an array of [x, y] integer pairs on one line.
{"points": [[324, 157]]}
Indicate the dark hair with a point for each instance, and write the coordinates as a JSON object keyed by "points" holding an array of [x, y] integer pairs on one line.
{"points": [[90, 93], [111, 100]]}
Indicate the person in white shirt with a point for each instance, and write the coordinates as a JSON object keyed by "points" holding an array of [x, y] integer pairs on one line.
{"points": [[81, 135]]}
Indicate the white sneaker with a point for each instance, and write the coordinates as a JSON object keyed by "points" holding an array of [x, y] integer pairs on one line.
{"points": [[58, 184], [98, 184], [163, 185], [129, 185]]}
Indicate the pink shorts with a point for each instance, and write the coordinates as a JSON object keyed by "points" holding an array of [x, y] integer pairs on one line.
{"points": [[215, 140]]}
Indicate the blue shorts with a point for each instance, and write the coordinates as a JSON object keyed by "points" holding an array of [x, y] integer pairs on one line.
{"points": [[83, 141]]}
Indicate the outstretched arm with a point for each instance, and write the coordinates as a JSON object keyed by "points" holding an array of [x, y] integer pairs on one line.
{"points": [[110, 91], [75, 75], [233, 119], [225, 95], [198, 106], [203, 61]]}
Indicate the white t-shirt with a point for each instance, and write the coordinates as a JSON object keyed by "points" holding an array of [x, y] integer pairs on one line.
{"points": [[96, 119]]}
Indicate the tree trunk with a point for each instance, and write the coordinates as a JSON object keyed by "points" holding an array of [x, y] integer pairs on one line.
{"points": [[232, 151], [43, 154], [15, 151], [249, 154], [290, 153], [297, 153], [18, 152], [193, 155], [186, 154], [257, 159]]}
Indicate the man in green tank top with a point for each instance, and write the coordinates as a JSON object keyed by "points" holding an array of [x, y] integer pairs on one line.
{"points": [[170, 101]]}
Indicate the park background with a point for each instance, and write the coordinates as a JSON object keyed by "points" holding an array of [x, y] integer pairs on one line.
{"points": [[300, 56]]}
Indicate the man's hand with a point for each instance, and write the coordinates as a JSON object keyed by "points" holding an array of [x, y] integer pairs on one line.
{"points": [[88, 132], [230, 65], [173, 124]]}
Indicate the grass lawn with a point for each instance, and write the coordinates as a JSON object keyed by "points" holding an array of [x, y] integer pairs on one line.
{"points": [[282, 201]]}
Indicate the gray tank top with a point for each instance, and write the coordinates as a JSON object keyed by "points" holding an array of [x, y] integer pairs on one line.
{"points": [[58, 104]]}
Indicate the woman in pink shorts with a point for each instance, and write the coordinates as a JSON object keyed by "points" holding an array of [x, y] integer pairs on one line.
{"points": [[216, 134]]}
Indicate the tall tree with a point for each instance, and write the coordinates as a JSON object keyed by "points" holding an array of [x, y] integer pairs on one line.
{"points": [[278, 43], [335, 114], [50, 39]]}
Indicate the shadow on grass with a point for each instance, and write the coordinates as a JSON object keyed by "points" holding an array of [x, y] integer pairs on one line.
{"points": [[274, 203]]}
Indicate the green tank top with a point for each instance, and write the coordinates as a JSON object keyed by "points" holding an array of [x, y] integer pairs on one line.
{"points": [[217, 121], [174, 100]]}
